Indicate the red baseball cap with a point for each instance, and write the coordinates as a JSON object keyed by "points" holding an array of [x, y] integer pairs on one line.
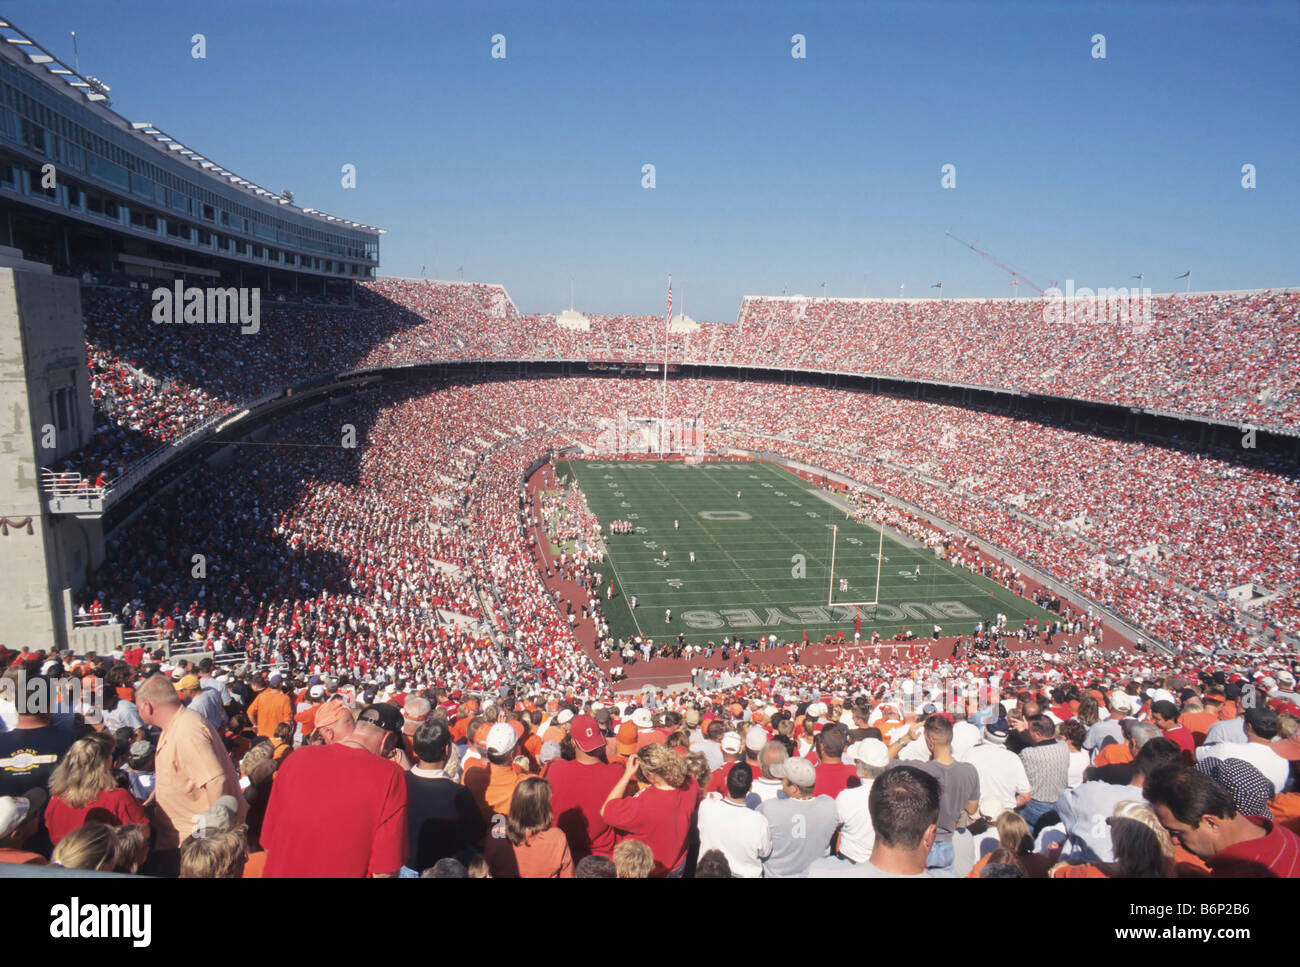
{"points": [[586, 733]]}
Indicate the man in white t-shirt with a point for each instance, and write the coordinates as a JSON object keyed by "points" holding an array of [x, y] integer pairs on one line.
{"points": [[857, 835], [742, 834], [1261, 726], [1002, 774], [710, 745], [965, 735]]}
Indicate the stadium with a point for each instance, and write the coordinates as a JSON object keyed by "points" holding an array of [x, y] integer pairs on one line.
{"points": [[242, 460]]}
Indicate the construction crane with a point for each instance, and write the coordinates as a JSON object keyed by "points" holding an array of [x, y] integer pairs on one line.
{"points": [[1005, 268]]}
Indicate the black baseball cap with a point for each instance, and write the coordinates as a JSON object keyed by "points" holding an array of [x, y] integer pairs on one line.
{"points": [[385, 715]]}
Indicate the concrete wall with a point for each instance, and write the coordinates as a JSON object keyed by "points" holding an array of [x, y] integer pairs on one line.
{"points": [[42, 351]]}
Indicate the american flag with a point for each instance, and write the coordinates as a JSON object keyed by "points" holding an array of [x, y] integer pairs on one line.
{"points": [[670, 300]]}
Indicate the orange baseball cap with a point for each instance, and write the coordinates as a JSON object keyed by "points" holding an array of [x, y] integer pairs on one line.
{"points": [[626, 741], [330, 712]]}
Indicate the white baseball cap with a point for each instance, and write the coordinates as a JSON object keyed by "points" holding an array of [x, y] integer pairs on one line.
{"points": [[501, 738], [869, 752]]}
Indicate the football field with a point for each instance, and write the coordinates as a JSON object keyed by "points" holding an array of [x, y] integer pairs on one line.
{"points": [[762, 562]]}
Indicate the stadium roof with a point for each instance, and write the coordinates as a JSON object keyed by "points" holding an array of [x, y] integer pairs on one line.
{"points": [[93, 92]]}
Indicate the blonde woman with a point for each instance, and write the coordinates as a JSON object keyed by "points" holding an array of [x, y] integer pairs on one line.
{"points": [[84, 789], [530, 847], [102, 848], [661, 814], [1016, 839]]}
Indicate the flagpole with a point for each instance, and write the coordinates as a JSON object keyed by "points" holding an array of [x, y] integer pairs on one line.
{"points": [[830, 590], [663, 403], [880, 560]]}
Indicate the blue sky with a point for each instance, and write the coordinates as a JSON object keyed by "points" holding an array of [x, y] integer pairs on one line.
{"points": [[771, 171]]}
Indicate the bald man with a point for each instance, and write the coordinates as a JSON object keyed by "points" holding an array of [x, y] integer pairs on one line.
{"points": [[192, 767], [338, 809]]}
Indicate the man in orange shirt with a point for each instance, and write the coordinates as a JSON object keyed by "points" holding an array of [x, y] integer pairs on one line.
{"points": [[464, 716], [1196, 720], [307, 717], [1113, 762], [271, 707], [493, 788], [623, 744], [559, 727], [1231, 701]]}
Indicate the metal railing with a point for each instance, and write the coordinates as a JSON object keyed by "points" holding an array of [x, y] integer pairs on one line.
{"points": [[67, 484]]}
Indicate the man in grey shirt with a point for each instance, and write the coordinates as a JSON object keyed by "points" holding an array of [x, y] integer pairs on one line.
{"points": [[1110, 730], [802, 824], [959, 790]]}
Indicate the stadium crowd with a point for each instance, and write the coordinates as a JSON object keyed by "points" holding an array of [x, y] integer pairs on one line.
{"points": [[1025, 765], [286, 542], [1219, 356]]}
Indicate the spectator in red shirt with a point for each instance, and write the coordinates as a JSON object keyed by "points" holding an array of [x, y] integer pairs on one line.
{"points": [[833, 776], [1201, 816], [732, 746], [83, 789], [1165, 715], [660, 814], [579, 789], [337, 810]]}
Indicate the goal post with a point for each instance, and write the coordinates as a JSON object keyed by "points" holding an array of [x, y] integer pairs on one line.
{"points": [[880, 561]]}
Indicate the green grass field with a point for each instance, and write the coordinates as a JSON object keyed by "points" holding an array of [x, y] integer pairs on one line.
{"points": [[762, 563]]}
